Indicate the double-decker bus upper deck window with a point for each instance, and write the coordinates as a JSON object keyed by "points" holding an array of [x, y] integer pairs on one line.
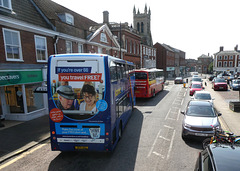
{"points": [[140, 75], [113, 71], [119, 71]]}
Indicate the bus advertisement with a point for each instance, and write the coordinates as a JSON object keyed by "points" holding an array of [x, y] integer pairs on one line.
{"points": [[148, 82], [91, 98]]}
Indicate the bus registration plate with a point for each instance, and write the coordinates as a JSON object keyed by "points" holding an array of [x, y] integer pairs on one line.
{"points": [[94, 132]]}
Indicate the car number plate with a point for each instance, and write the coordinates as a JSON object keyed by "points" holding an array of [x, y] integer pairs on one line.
{"points": [[94, 132], [81, 148], [200, 134], [220, 87]]}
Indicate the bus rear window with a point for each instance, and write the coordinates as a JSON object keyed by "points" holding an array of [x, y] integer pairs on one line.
{"points": [[140, 75]]}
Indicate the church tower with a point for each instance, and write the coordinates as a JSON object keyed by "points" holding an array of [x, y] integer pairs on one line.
{"points": [[142, 23]]}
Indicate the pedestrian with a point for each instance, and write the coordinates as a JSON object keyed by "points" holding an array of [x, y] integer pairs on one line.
{"points": [[205, 83]]}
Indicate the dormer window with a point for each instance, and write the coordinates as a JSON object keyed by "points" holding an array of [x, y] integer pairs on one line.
{"points": [[67, 18], [6, 4]]}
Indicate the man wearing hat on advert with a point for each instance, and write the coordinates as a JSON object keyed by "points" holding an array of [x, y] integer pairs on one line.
{"points": [[65, 98]]}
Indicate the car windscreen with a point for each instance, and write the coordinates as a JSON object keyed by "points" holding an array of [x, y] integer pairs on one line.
{"points": [[197, 79], [203, 96], [200, 111], [140, 75], [196, 86], [220, 80], [236, 81]]}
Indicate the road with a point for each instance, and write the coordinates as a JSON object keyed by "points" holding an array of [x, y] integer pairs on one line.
{"points": [[151, 141]]}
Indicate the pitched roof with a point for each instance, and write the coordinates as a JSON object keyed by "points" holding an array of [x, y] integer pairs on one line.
{"points": [[25, 11], [52, 9]]}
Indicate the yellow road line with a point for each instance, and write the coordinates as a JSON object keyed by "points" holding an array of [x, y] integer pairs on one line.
{"points": [[21, 156]]}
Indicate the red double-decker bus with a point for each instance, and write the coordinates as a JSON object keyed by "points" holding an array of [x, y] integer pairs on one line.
{"points": [[148, 82]]}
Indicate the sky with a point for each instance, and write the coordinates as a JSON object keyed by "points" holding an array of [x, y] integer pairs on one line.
{"points": [[194, 26]]}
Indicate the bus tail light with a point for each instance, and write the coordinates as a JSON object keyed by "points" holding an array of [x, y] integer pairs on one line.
{"points": [[53, 132], [107, 133]]}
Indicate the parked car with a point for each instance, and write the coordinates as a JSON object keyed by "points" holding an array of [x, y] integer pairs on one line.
{"points": [[230, 78], [199, 117], [217, 157], [210, 78], [195, 86], [203, 96], [178, 80], [219, 84], [235, 84]]}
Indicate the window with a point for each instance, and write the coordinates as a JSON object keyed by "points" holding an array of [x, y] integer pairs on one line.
{"points": [[225, 64], [12, 45], [134, 48], [220, 57], [6, 4], [126, 44], [103, 37], [130, 46], [41, 48], [69, 19], [231, 57], [80, 48], [68, 47], [220, 64], [99, 50], [225, 57], [142, 27], [138, 27], [144, 50], [230, 64], [238, 63]]}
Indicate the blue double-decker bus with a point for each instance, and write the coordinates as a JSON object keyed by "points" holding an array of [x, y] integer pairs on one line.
{"points": [[91, 98]]}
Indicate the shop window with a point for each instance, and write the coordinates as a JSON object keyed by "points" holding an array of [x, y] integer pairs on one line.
{"points": [[80, 48], [41, 48], [12, 44], [34, 100], [14, 99]]}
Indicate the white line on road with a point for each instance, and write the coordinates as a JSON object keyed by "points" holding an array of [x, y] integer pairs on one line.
{"points": [[150, 152], [171, 144], [167, 114], [182, 102], [168, 127], [178, 114], [162, 156], [164, 138]]}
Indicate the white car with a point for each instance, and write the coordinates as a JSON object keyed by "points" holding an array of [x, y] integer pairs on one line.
{"points": [[203, 95]]}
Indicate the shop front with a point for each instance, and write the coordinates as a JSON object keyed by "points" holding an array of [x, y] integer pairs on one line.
{"points": [[17, 98]]}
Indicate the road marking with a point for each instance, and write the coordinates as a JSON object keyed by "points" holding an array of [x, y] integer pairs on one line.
{"points": [[184, 94], [178, 114], [167, 114], [168, 127], [21, 156], [150, 152], [171, 144], [164, 138], [182, 102], [162, 156]]}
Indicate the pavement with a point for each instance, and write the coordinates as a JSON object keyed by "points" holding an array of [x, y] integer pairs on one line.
{"points": [[17, 137]]}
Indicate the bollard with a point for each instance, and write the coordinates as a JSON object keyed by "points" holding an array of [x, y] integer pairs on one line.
{"points": [[184, 84]]}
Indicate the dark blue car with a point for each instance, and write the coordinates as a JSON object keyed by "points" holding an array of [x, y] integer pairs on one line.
{"points": [[235, 84]]}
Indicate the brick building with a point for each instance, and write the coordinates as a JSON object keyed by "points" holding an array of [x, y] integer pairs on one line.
{"points": [[227, 61]]}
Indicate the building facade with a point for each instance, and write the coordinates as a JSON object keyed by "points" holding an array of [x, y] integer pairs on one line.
{"points": [[203, 64], [227, 61]]}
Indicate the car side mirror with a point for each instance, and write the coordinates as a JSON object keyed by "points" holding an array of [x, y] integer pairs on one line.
{"points": [[192, 98], [213, 98], [182, 112], [219, 114]]}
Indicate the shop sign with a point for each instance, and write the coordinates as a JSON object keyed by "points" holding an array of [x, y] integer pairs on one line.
{"points": [[20, 77], [170, 68]]}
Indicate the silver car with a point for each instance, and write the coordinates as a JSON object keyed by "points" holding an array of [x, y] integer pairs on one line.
{"points": [[203, 95], [199, 118]]}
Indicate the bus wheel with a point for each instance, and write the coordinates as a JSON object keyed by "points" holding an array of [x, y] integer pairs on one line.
{"points": [[120, 131], [154, 94]]}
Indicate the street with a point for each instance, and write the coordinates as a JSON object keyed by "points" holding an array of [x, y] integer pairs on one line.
{"points": [[151, 141]]}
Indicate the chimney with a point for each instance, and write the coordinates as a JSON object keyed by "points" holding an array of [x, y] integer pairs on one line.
{"points": [[236, 48], [221, 48], [105, 17]]}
